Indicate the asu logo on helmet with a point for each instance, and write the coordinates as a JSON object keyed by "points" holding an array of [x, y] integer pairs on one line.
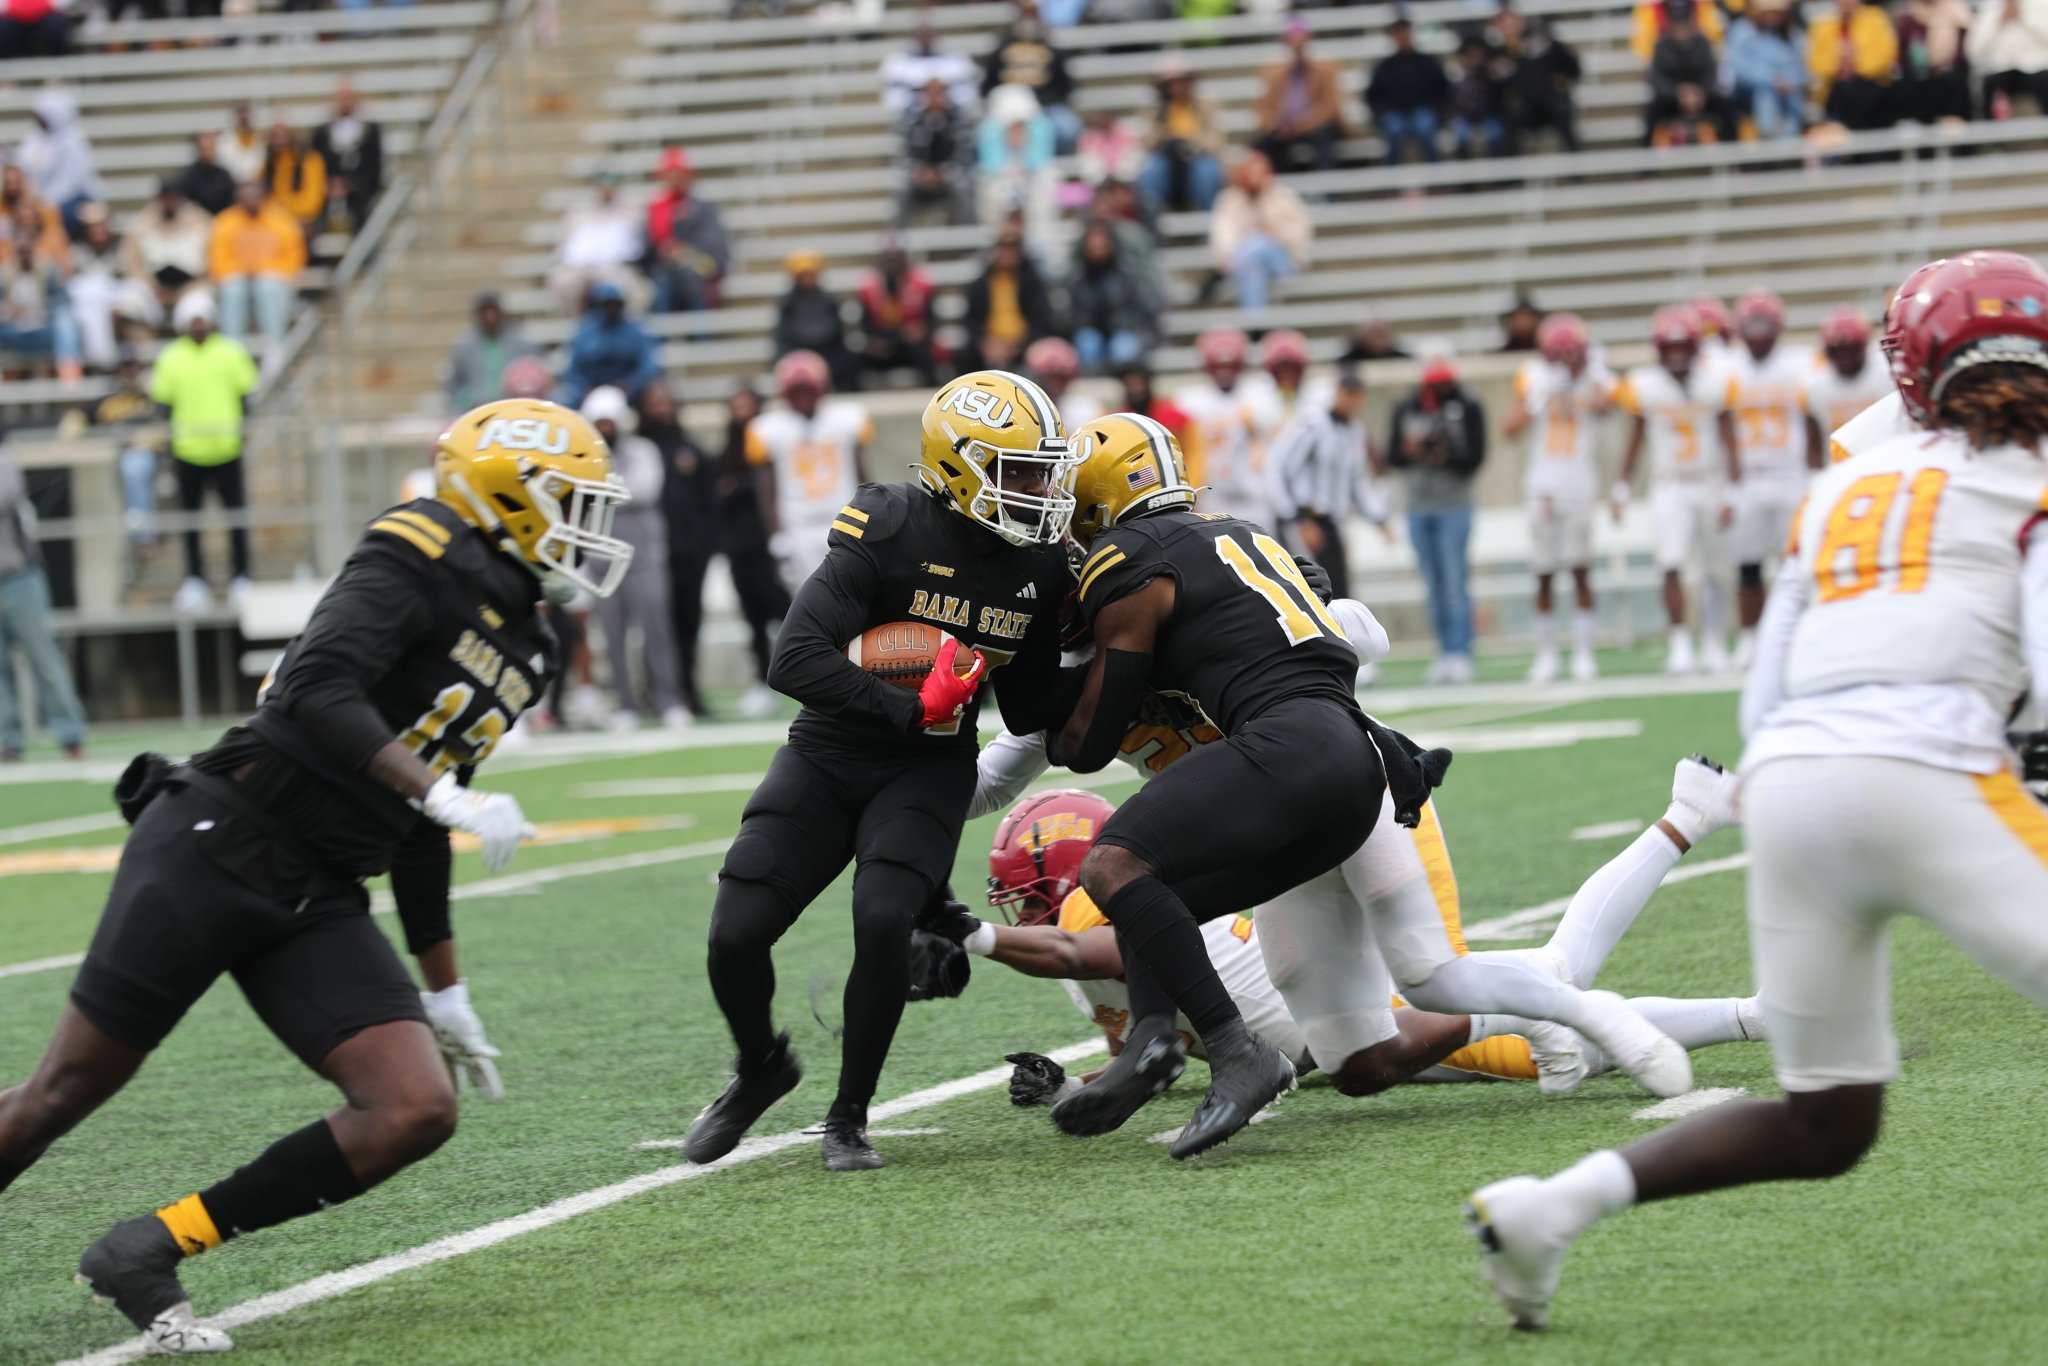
{"points": [[994, 448], [537, 479]]}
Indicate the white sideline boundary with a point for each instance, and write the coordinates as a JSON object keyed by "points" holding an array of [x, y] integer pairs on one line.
{"points": [[561, 1211]]}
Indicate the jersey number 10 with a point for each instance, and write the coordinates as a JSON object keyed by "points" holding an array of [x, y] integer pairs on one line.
{"points": [[1299, 611]]}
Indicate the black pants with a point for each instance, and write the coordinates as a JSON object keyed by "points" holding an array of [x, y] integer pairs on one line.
{"points": [[2015, 84], [764, 598], [226, 481], [1554, 111], [1662, 108], [1859, 104], [686, 609], [1334, 561], [1320, 144], [1936, 96]]}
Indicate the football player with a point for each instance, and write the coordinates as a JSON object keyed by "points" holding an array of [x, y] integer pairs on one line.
{"points": [[879, 775], [1717, 328], [250, 859], [1233, 417], [1559, 398], [1878, 780], [808, 457], [1283, 355], [1055, 364], [1672, 407], [1762, 422], [1886, 418], [1853, 379]]}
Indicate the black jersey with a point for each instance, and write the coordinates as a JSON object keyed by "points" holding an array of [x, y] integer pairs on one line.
{"points": [[1245, 632], [428, 634], [899, 553]]}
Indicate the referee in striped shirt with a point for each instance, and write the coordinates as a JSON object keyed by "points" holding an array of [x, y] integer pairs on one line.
{"points": [[1317, 470]]}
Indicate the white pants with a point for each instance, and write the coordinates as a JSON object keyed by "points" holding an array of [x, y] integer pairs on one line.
{"points": [[1838, 847], [1763, 517], [1686, 519], [1560, 534], [799, 550]]}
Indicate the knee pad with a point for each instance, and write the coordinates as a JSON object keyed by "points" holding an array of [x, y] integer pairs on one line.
{"points": [[1750, 577]]}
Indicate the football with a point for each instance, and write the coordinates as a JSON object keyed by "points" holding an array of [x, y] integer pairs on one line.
{"points": [[902, 652]]}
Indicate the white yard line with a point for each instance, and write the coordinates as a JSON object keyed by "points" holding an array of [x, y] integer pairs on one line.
{"points": [[561, 1211], [70, 825], [1531, 921], [62, 960], [1608, 830], [1691, 1103]]}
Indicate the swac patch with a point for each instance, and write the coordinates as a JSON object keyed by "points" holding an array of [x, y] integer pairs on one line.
{"points": [[524, 434]]}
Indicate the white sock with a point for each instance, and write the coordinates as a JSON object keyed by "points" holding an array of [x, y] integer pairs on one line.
{"points": [[1594, 1188], [1582, 631], [1677, 639], [1608, 902], [1546, 633], [1493, 1026], [1496, 983], [1745, 639], [1694, 1023], [1714, 610]]}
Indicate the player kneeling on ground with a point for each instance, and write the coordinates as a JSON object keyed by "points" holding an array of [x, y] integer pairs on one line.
{"points": [[250, 859]]}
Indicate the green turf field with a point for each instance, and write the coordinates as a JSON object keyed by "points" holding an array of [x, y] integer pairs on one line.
{"points": [[1330, 1234]]}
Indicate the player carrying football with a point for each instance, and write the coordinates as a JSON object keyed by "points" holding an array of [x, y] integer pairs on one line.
{"points": [[1878, 780], [880, 775], [250, 860]]}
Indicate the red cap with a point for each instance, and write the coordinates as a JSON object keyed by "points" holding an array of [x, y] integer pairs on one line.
{"points": [[1223, 346], [675, 159], [1440, 371], [1675, 325], [1283, 347]]}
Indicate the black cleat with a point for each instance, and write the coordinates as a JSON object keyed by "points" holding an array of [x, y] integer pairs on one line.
{"points": [[1140, 1072], [1245, 1074], [845, 1147], [721, 1125], [134, 1268]]}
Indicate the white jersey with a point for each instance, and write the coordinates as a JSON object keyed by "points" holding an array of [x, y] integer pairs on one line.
{"points": [[813, 456], [1909, 641], [1679, 418], [1564, 431], [1767, 399], [1833, 402], [1884, 420], [1077, 410], [1227, 442]]}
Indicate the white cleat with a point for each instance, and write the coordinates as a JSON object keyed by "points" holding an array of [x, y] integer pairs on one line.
{"points": [[1678, 655], [1522, 1247], [1636, 1046], [1560, 1061], [1544, 668], [1751, 1017], [175, 1333], [1713, 655], [193, 595], [1584, 667], [758, 703], [677, 718], [1705, 792]]}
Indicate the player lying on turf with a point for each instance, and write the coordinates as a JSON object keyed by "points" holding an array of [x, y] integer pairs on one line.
{"points": [[1878, 780], [250, 860], [1058, 933]]}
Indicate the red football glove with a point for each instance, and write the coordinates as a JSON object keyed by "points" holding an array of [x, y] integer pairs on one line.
{"points": [[945, 694]]}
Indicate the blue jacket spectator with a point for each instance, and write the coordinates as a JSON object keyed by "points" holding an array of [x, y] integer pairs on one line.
{"points": [[608, 348], [1765, 65]]}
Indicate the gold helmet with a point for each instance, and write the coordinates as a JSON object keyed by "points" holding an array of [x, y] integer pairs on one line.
{"points": [[537, 478], [989, 423], [1130, 465]]}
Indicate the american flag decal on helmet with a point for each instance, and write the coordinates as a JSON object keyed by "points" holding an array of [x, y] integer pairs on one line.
{"points": [[1142, 479]]}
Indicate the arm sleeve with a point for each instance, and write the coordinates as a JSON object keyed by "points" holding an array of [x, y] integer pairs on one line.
{"points": [[421, 872], [1764, 689], [1367, 636], [362, 626], [2034, 610], [810, 662], [1008, 764]]}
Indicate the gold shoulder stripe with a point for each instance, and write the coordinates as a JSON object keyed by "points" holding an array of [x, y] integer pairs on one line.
{"points": [[851, 511], [405, 531], [1089, 577], [849, 528], [1097, 557], [426, 524]]}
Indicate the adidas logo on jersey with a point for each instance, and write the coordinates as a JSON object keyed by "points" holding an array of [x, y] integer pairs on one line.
{"points": [[1029, 590]]}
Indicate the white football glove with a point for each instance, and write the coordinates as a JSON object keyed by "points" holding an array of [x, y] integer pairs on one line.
{"points": [[493, 817], [463, 1045]]}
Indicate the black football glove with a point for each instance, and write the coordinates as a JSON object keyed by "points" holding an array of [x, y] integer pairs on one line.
{"points": [[950, 920], [1412, 771], [1037, 1079], [1318, 578], [2033, 751], [938, 967]]}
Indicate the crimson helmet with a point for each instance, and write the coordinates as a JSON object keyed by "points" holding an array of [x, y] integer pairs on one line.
{"points": [[802, 370], [1980, 308], [527, 377], [1711, 316], [1908, 287], [1675, 326], [1846, 326], [1285, 347], [1562, 338], [1052, 358], [1760, 313], [1223, 346], [1037, 856]]}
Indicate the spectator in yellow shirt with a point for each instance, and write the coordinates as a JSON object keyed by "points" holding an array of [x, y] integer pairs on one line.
{"points": [[1854, 56], [256, 256], [295, 177]]}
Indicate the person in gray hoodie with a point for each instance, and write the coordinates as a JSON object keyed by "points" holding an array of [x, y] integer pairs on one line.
{"points": [[476, 368], [56, 156], [25, 626]]}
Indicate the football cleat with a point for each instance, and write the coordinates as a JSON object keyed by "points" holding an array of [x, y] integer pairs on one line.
{"points": [[1245, 1075], [1636, 1046], [1714, 655], [1150, 1062], [1585, 668], [1560, 1062], [1543, 669], [1702, 798], [133, 1268], [721, 1125], [1521, 1247], [1678, 656], [846, 1149]]}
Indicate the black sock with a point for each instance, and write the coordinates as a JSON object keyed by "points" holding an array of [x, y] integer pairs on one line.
{"points": [[745, 923], [1148, 999], [1167, 943], [8, 1172], [885, 897], [302, 1173]]}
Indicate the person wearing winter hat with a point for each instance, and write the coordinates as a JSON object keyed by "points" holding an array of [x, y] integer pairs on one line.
{"points": [[640, 607]]}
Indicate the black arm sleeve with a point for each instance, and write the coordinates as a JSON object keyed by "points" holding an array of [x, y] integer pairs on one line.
{"points": [[421, 872], [1126, 675], [364, 623], [810, 662]]}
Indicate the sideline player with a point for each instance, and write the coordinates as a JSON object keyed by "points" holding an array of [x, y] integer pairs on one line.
{"points": [[1887, 417], [1672, 407], [250, 860], [878, 775], [1854, 377], [1878, 780], [1763, 423], [1234, 416], [808, 457], [1559, 398]]}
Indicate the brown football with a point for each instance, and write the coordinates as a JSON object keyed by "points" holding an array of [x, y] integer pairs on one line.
{"points": [[902, 652]]}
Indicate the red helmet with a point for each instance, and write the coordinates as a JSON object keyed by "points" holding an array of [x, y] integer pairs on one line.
{"points": [[1223, 346], [1037, 856], [1760, 311], [527, 377], [1052, 358], [1908, 287], [1711, 316], [802, 370], [1846, 326], [1285, 347], [1675, 325], [1562, 338], [1981, 308]]}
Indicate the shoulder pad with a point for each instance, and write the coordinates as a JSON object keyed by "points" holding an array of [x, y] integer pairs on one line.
{"points": [[877, 512], [1124, 559], [424, 529]]}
